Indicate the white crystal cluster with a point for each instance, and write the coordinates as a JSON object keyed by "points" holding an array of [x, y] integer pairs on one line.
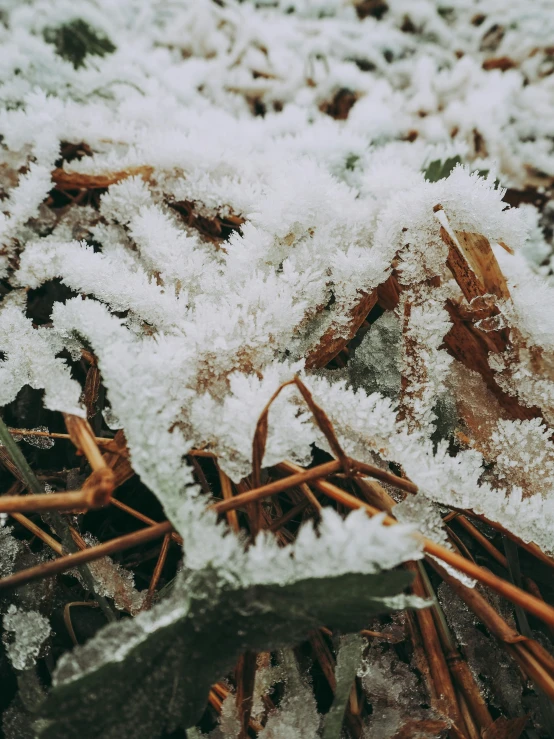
{"points": [[24, 634]]}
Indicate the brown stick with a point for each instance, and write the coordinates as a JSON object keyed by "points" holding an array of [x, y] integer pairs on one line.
{"points": [[38, 532], [227, 492], [71, 501], [157, 572], [245, 677], [514, 594], [55, 567], [447, 701], [277, 486], [141, 517]]}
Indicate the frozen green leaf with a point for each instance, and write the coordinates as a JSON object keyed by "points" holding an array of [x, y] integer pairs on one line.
{"points": [[75, 40], [138, 678], [438, 170], [348, 662]]}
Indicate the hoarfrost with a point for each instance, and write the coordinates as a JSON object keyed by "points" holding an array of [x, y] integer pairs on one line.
{"points": [[297, 714], [9, 549], [26, 631]]}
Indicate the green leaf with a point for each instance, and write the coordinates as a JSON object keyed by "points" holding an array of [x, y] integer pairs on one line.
{"points": [[140, 677], [348, 662], [438, 170], [75, 40]]}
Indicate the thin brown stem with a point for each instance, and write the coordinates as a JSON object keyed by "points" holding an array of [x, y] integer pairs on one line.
{"points": [[293, 480], [227, 492], [57, 566], [67, 616], [141, 517], [72, 501], [38, 532], [529, 602], [288, 516], [157, 572], [447, 701]]}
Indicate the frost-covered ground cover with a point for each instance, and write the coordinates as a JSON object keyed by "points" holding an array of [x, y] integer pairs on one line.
{"points": [[201, 201]]}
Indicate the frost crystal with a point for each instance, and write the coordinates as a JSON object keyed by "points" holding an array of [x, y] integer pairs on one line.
{"points": [[9, 549], [297, 715], [26, 631]]}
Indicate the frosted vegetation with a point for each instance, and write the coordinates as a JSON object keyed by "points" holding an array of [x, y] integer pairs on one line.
{"points": [[245, 179]]}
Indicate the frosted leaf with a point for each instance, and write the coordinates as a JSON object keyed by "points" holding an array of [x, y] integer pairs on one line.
{"points": [[174, 644], [349, 656], [25, 632], [30, 359]]}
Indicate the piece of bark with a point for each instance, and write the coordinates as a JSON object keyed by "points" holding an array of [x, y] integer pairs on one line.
{"points": [[64, 180], [336, 338], [506, 728]]}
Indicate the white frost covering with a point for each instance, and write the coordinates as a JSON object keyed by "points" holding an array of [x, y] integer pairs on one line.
{"points": [[25, 633], [193, 337]]}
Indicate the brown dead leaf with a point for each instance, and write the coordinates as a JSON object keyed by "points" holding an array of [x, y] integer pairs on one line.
{"points": [[64, 180], [502, 62], [506, 728], [333, 340]]}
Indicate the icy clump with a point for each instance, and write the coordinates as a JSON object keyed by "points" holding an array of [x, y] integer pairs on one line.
{"points": [[9, 549], [394, 691], [297, 714], [25, 634], [375, 365], [41, 442], [488, 661], [115, 582]]}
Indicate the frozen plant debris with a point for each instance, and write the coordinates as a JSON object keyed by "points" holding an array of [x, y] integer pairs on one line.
{"points": [[239, 240]]}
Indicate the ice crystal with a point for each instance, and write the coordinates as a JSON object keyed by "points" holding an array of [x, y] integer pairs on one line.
{"points": [[9, 549], [297, 714], [115, 582], [25, 632]]}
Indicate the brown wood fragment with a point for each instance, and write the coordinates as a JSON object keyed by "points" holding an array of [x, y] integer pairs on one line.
{"points": [[446, 700], [64, 180], [341, 104], [473, 264], [506, 728], [470, 346], [502, 62], [245, 678], [388, 293], [335, 339], [216, 228]]}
